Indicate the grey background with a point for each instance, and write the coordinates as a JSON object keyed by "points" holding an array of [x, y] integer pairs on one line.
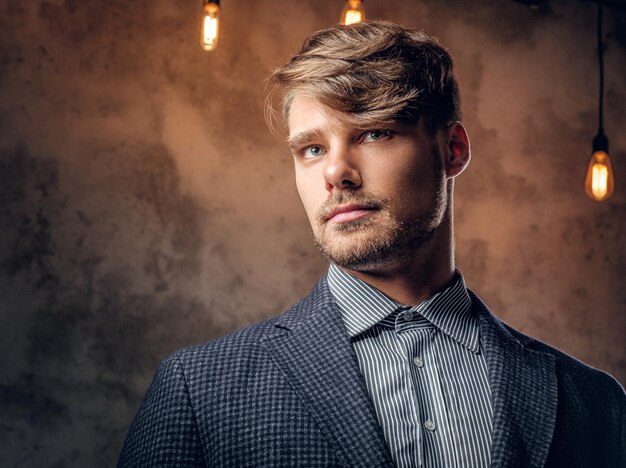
{"points": [[144, 206]]}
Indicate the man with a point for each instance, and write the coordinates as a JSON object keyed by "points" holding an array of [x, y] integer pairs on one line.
{"points": [[390, 360]]}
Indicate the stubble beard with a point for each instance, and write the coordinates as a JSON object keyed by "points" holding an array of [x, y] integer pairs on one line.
{"points": [[374, 242]]}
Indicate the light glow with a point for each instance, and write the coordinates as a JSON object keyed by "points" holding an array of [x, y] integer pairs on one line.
{"points": [[210, 26], [352, 12], [353, 16], [209, 30], [599, 183]]}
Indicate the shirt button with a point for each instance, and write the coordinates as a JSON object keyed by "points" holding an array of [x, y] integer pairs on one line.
{"points": [[430, 425], [418, 361], [408, 316]]}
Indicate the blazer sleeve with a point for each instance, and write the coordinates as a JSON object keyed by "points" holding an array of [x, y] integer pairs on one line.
{"points": [[622, 454], [164, 431]]}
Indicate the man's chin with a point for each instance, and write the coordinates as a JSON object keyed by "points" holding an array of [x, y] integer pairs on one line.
{"points": [[371, 247], [356, 250], [350, 239]]}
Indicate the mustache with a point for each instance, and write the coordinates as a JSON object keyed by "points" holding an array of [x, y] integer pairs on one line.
{"points": [[366, 199]]}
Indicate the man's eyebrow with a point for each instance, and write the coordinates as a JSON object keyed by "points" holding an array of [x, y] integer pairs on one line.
{"points": [[302, 138]]}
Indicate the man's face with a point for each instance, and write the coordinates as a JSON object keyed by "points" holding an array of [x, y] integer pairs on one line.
{"points": [[372, 195]]}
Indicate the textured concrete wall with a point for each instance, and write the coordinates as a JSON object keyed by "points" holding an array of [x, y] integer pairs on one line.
{"points": [[145, 207]]}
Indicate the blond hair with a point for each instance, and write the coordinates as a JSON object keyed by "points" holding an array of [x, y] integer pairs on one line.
{"points": [[375, 72]]}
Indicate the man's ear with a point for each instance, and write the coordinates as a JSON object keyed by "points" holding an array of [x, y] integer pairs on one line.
{"points": [[458, 151]]}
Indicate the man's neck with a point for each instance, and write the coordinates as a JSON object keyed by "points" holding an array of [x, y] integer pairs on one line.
{"points": [[414, 279]]}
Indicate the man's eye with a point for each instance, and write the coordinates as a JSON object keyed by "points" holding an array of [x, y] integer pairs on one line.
{"points": [[313, 151], [375, 135]]}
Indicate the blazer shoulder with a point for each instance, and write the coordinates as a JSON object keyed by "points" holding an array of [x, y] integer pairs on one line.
{"points": [[244, 348], [591, 414], [573, 372], [574, 376], [569, 369], [231, 346], [248, 340]]}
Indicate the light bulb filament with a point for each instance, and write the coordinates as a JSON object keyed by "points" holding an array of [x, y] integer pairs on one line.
{"points": [[210, 30], [599, 181]]}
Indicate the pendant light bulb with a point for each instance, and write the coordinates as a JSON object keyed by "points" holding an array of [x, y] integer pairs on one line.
{"points": [[599, 182], [352, 12], [210, 25]]}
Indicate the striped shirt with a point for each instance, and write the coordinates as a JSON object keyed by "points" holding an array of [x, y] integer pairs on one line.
{"points": [[424, 370]]}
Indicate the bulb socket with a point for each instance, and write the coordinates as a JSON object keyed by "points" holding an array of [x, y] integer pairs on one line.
{"points": [[217, 2], [600, 142]]}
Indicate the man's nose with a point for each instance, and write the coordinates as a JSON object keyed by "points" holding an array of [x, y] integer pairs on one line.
{"points": [[341, 171]]}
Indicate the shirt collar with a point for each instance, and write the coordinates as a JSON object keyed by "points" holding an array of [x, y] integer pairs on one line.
{"points": [[362, 306]]}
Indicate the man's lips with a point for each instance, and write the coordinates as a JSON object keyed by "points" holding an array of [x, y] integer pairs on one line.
{"points": [[348, 212]]}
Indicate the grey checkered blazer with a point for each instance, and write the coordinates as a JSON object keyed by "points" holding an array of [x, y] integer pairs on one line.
{"points": [[288, 392]]}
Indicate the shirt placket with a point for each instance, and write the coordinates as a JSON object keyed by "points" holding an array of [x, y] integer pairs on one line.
{"points": [[433, 427], [411, 451]]}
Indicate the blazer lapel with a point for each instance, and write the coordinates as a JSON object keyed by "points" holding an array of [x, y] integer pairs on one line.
{"points": [[313, 349], [523, 393]]}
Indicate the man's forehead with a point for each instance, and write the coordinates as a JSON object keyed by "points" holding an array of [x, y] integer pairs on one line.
{"points": [[308, 114], [309, 118], [302, 102]]}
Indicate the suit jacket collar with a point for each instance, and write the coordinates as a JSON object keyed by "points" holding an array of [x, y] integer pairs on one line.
{"points": [[312, 347], [523, 393]]}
